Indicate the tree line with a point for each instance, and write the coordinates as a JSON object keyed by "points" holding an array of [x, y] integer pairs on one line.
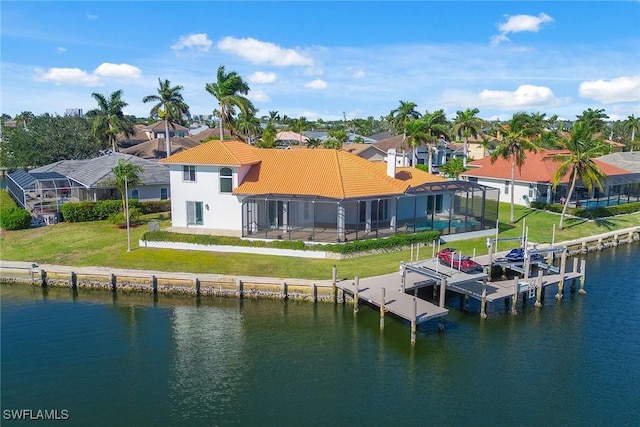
{"points": [[40, 140]]}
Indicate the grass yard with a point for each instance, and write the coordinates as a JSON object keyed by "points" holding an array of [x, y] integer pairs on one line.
{"points": [[102, 244]]}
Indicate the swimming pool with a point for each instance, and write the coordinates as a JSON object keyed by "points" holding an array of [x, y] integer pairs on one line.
{"points": [[592, 204]]}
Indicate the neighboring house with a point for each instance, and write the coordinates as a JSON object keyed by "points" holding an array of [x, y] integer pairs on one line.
{"points": [[157, 130], [323, 135], [366, 151], [46, 187], [290, 138], [441, 152], [233, 188], [157, 148], [534, 181], [207, 133]]}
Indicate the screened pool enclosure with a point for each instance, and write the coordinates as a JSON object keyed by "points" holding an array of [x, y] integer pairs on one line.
{"points": [[450, 207]]}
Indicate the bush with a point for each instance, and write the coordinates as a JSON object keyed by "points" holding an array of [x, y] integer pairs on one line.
{"points": [[14, 218], [395, 241], [105, 209], [119, 218], [78, 212], [601, 212], [155, 207]]}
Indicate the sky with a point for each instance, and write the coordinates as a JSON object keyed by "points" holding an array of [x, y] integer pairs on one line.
{"points": [[328, 60]]}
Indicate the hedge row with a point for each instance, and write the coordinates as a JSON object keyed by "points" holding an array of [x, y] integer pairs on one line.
{"points": [[590, 213], [103, 209], [350, 247], [12, 217]]}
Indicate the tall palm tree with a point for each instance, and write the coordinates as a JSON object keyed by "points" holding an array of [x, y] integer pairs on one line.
{"points": [[467, 124], [582, 147], [514, 145], [435, 126], [632, 124], [299, 125], [416, 135], [274, 117], [228, 90], [400, 116], [129, 172], [108, 120], [595, 119], [170, 107]]}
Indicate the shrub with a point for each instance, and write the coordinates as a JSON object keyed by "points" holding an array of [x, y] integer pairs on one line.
{"points": [[78, 212], [119, 218], [6, 201], [600, 212], [14, 218], [155, 206], [103, 209]]}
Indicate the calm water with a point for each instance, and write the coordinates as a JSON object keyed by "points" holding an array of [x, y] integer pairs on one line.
{"points": [[131, 360]]}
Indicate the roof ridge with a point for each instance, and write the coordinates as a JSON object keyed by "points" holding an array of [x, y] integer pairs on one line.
{"points": [[337, 160]]}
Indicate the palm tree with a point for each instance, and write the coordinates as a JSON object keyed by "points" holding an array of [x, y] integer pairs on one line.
{"points": [[109, 120], [401, 116], [228, 90], [274, 117], [467, 124], [249, 126], [416, 135], [170, 107], [299, 125], [454, 167], [337, 137], [435, 126], [513, 147], [632, 124], [129, 172], [595, 119], [24, 117], [582, 147], [313, 143]]}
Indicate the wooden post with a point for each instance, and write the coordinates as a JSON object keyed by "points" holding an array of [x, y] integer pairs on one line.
{"points": [[466, 301], [584, 247], [285, 291], [514, 298], [414, 321], [73, 280], [615, 240], [483, 301], [314, 292], [113, 282], [527, 265], [538, 302], [575, 264], [196, 283], [356, 296], [154, 284], [583, 266], [382, 309], [563, 261], [443, 290], [43, 278], [240, 286], [334, 284]]}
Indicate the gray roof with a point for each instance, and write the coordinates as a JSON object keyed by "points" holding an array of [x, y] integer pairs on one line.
{"points": [[94, 172], [628, 160]]}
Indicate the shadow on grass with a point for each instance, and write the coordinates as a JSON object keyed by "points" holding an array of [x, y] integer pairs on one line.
{"points": [[526, 215], [606, 223], [571, 222]]}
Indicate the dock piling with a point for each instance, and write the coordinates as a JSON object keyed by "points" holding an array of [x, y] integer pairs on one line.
{"points": [[154, 285], [196, 283], [563, 262], [443, 291], [414, 321], [43, 278], [334, 284], [240, 285], [514, 298], [483, 303], [583, 266], [284, 291], [538, 302], [356, 296], [314, 292], [382, 309], [113, 282], [73, 280]]}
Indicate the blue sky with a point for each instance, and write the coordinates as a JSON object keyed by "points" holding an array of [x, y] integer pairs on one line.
{"points": [[321, 59]]}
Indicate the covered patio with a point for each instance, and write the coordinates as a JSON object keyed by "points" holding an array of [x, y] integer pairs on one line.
{"points": [[450, 207], [42, 193]]}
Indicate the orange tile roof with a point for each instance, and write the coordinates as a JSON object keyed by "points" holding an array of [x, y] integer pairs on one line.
{"points": [[227, 153], [535, 168], [320, 172]]}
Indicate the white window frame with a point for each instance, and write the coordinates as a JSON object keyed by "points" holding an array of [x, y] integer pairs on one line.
{"points": [[188, 173], [226, 179]]}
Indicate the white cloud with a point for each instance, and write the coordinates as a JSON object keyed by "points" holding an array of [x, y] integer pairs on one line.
{"points": [[316, 84], [358, 74], [91, 16], [622, 89], [195, 43], [61, 49], [258, 96], [526, 96], [259, 52], [519, 23], [74, 76], [120, 71], [262, 77]]}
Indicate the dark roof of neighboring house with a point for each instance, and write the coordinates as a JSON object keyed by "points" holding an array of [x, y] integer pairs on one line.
{"points": [[626, 160], [159, 127], [215, 132], [359, 148], [94, 172], [156, 148], [381, 135]]}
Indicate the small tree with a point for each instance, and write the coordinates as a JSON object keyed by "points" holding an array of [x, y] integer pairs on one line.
{"points": [[129, 172], [454, 167]]}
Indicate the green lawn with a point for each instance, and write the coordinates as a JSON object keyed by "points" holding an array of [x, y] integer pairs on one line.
{"points": [[101, 243]]}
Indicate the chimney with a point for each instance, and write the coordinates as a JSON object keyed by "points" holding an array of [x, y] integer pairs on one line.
{"points": [[391, 162]]}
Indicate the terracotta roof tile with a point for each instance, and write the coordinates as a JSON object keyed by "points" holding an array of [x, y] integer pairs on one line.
{"points": [[535, 168], [228, 153]]}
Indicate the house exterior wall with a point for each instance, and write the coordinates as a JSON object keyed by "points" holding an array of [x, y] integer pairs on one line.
{"points": [[523, 194], [150, 192], [220, 210]]}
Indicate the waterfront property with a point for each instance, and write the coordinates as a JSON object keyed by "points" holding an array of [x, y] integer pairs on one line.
{"points": [[229, 187], [534, 182]]}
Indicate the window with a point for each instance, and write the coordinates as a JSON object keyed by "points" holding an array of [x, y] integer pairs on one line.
{"points": [[305, 210], [506, 187], [164, 194], [226, 180], [194, 213], [135, 194], [189, 173], [379, 210]]}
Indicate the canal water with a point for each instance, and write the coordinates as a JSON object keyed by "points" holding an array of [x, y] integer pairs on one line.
{"points": [[131, 360]]}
